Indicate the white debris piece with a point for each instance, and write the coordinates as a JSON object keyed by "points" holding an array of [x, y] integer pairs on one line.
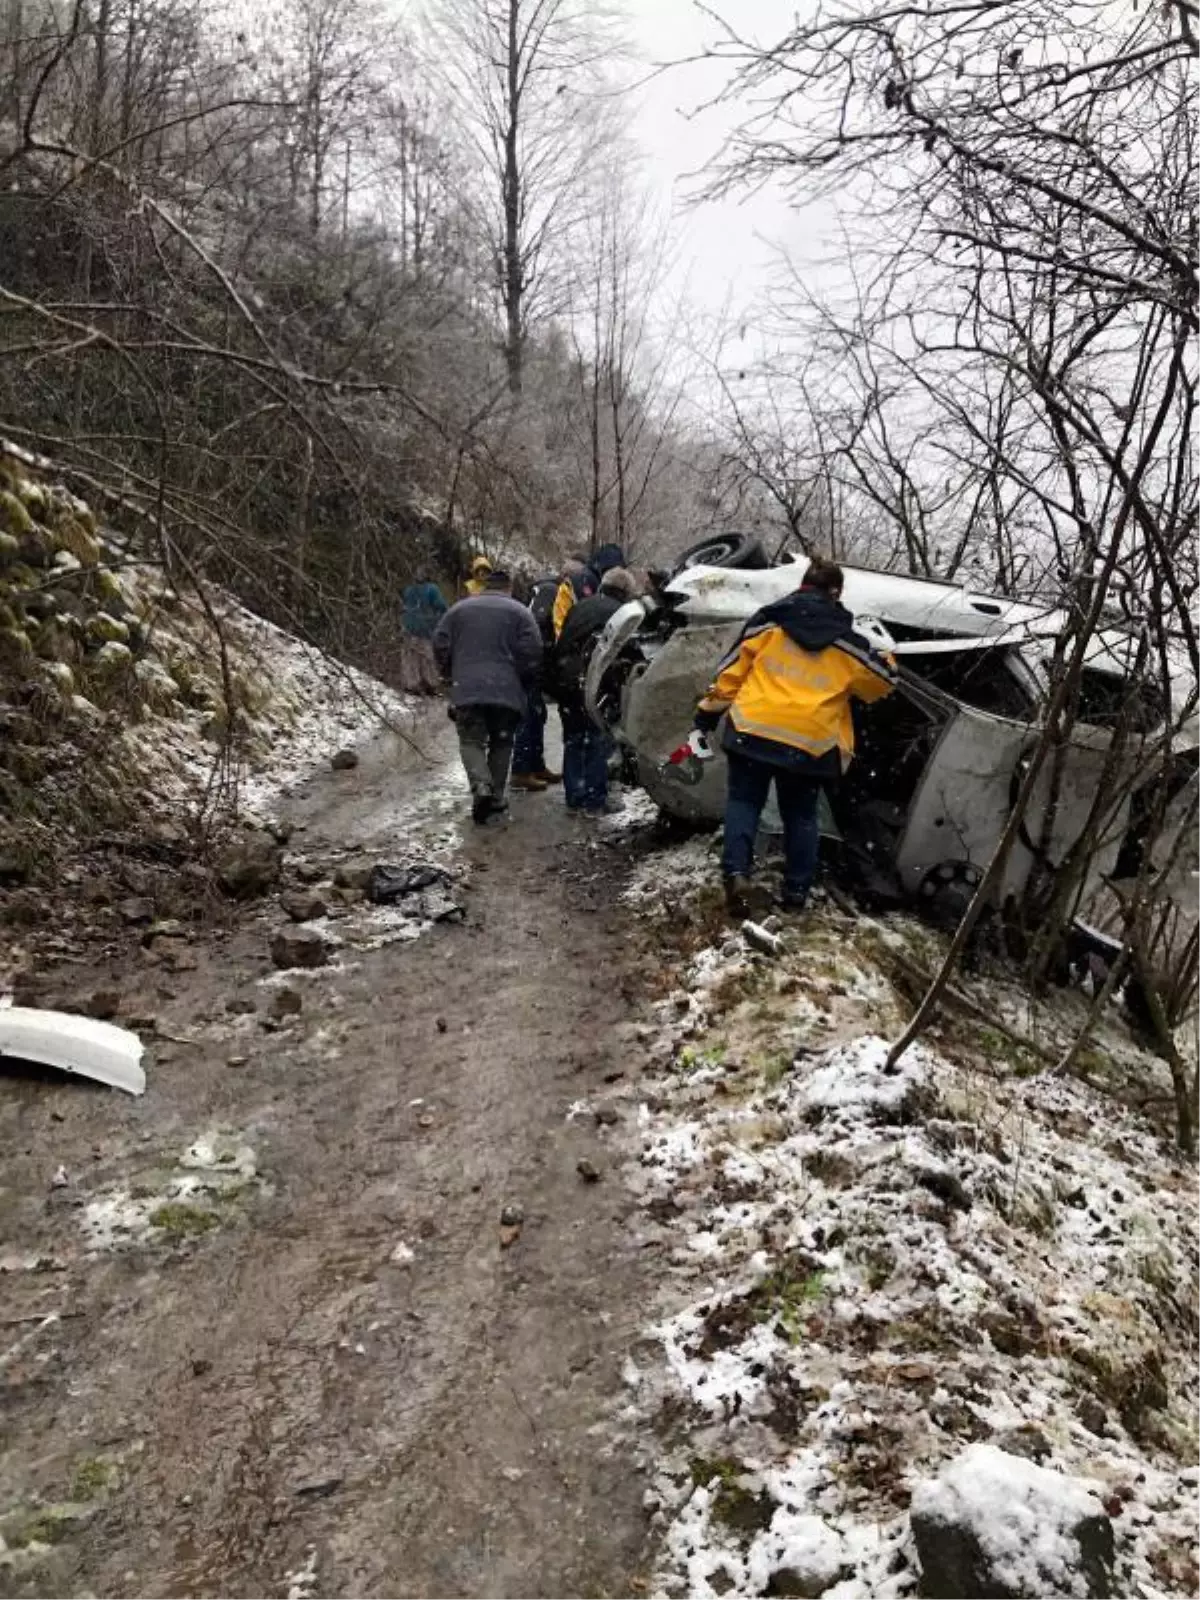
{"points": [[79, 1045]]}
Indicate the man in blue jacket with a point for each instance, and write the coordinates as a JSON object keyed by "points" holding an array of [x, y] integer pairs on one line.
{"points": [[489, 650]]}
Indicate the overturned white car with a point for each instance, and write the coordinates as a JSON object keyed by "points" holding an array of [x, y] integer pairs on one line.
{"points": [[938, 764]]}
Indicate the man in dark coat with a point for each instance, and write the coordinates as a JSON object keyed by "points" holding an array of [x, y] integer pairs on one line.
{"points": [[490, 651], [586, 748]]}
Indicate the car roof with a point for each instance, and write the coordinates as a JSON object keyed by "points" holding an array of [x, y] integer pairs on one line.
{"points": [[925, 604]]}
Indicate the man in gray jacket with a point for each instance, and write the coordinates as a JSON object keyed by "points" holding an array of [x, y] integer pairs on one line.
{"points": [[490, 651]]}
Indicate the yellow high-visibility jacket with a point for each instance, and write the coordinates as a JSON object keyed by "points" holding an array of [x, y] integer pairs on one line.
{"points": [[563, 602], [789, 701]]}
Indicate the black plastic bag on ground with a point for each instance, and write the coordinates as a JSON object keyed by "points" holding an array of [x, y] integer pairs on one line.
{"points": [[389, 883]]}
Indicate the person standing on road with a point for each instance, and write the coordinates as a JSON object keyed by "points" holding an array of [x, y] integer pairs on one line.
{"points": [[785, 690], [582, 579], [481, 569], [489, 650], [530, 771], [586, 748], [578, 582], [424, 604]]}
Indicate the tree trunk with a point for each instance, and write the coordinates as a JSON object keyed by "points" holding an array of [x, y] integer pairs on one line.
{"points": [[513, 286]]}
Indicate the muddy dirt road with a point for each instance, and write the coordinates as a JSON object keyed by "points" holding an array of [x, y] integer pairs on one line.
{"points": [[347, 1383]]}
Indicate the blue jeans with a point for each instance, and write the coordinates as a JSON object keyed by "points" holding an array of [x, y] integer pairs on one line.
{"points": [[586, 750], [529, 750], [749, 786]]}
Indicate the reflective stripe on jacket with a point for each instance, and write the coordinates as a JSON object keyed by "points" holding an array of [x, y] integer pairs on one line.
{"points": [[776, 690]]}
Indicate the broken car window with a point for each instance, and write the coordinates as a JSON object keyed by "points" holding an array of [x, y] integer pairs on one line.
{"points": [[984, 679]]}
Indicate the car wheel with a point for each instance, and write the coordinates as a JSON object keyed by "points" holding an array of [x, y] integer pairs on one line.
{"points": [[725, 550]]}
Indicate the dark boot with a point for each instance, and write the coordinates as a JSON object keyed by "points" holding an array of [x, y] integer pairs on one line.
{"points": [[481, 808], [737, 897]]}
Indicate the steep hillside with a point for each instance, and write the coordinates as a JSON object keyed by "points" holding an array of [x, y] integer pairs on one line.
{"points": [[130, 693], [965, 1283]]}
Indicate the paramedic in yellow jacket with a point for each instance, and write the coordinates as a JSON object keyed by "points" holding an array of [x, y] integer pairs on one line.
{"points": [[787, 686], [481, 571]]}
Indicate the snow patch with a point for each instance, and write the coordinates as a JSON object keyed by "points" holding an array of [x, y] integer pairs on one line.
{"points": [[1023, 1516], [868, 1269]]}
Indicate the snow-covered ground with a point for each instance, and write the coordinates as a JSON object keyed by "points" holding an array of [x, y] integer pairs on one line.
{"points": [[299, 708], [876, 1270]]}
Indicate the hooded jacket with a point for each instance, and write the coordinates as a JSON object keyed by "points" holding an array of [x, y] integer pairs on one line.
{"points": [[584, 584], [490, 650], [788, 684]]}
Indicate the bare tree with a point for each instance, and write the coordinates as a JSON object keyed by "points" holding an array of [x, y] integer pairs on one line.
{"points": [[1035, 167], [526, 80]]}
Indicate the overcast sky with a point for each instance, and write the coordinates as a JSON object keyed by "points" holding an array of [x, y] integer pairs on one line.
{"points": [[723, 247]]}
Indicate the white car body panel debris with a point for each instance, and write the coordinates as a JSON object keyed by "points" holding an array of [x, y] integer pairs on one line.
{"points": [[78, 1045]]}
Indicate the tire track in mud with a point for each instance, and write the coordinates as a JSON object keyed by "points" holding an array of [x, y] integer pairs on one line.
{"points": [[291, 1408]]}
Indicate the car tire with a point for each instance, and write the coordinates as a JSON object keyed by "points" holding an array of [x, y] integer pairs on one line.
{"points": [[739, 550]]}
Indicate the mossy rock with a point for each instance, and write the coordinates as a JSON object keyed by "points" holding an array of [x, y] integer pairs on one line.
{"points": [[56, 641], [86, 711], [14, 518], [58, 676], [72, 537], [157, 687], [37, 548], [10, 548], [33, 496], [113, 658], [108, 587], [16, 647], [101, 628], [65, 504]]}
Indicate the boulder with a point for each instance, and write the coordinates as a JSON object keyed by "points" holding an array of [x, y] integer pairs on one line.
{"points": [[113, 658], [353, 875], [104, 629], [136, 910], [994, 1525], [814, 1556], [250, 866], [70, 535], [302, 905], [300, 947], [14, 518], [60, 677], [286, 1003], [156, 686]]}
